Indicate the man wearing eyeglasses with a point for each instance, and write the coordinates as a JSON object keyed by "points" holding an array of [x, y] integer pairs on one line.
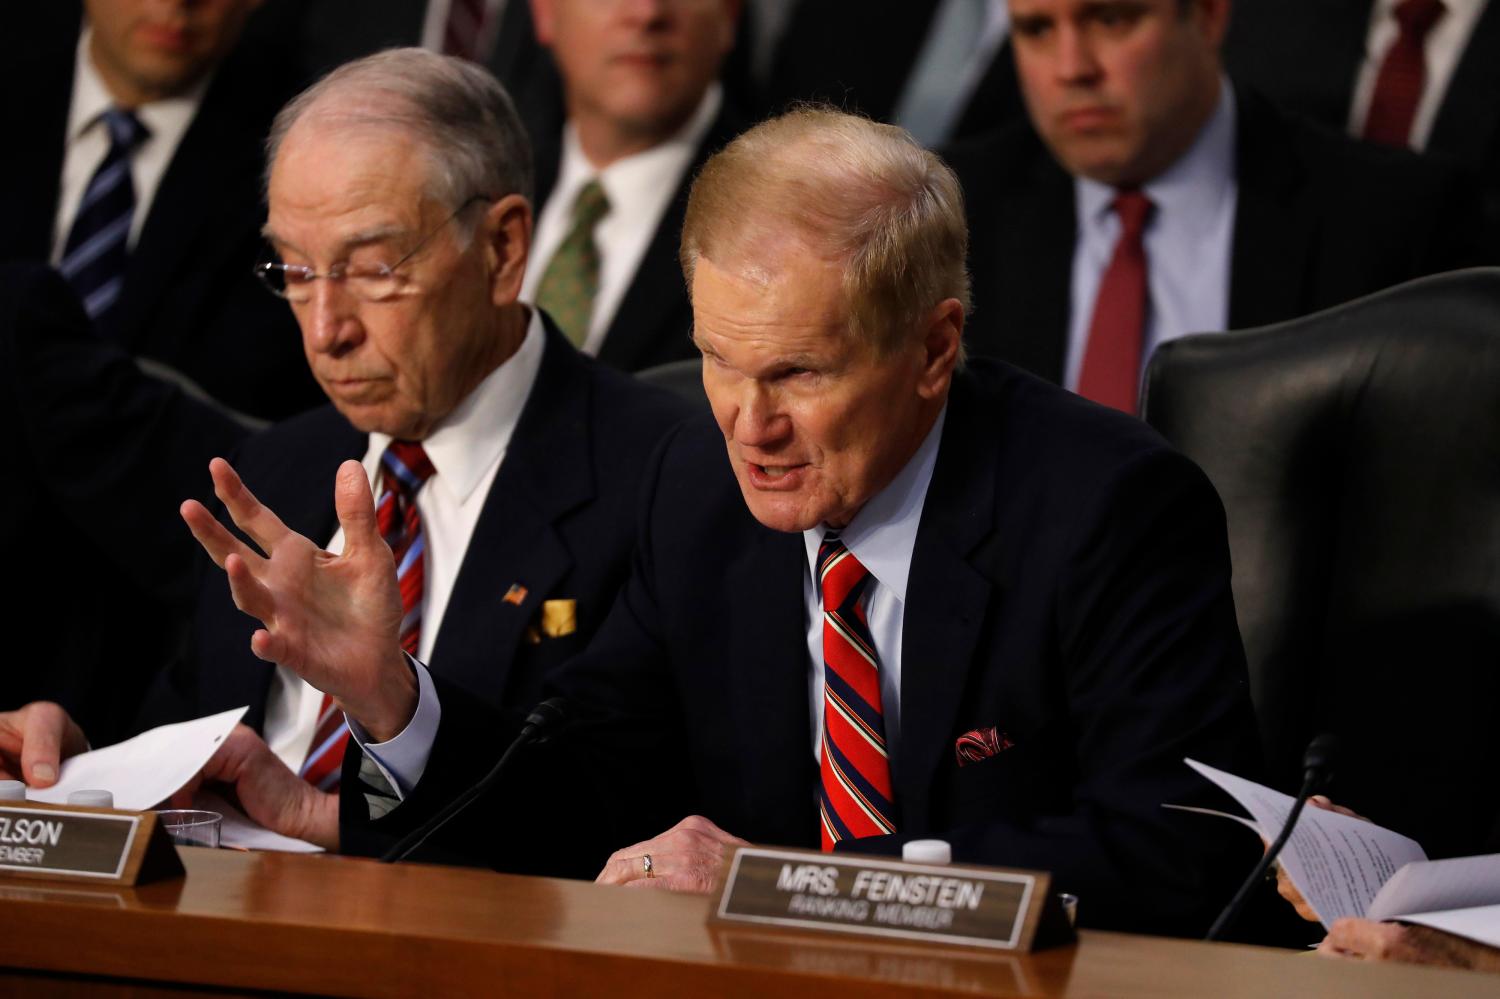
{"points": [[505, 462]]}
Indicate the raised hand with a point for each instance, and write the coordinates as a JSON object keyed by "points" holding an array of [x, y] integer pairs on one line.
{"points": [[333, 620], [689, 857]]}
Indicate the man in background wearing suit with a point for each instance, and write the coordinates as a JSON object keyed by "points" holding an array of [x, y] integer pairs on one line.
{"points": [[134, 166], [507, 464], [916, 600], [1152, 200], [645, 109], [1416, 73]]}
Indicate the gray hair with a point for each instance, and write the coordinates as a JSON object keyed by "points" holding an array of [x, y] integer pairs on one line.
{"points": [[460, 113], [860, 192]]}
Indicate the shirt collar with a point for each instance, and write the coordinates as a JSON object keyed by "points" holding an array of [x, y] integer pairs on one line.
{"points": [[1190, 191], [627, 180], [883, 534], [469, 440], [168, 117]]}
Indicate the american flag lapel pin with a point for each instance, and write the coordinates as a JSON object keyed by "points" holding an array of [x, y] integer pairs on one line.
{"points": [[515, 595]]}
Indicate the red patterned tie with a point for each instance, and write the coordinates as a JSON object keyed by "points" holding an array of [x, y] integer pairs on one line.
{"points": [[404, 467], [1403, 74], [1111, 372], [855, 796], [465, 28]]}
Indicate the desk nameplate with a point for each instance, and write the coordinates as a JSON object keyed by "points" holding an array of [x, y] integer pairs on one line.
{"points": [[82, 844], [969, 906]]}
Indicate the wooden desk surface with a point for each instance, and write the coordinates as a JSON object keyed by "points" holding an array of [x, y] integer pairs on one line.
{"points": [[344, 926]]}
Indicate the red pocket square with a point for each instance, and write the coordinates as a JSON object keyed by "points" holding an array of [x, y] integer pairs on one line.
{"points": [[980, 744]]}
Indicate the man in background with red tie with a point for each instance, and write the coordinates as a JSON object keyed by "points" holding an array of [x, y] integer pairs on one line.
{"points": [[505, 463], [1149, 198], [1422, 74], [877, 596]]}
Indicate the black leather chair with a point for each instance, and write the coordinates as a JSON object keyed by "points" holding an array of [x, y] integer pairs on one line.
{"points": [[1357, 452], [683, 377]]}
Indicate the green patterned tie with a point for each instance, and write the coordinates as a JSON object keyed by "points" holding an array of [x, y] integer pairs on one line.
{"points": [[572, 276]]}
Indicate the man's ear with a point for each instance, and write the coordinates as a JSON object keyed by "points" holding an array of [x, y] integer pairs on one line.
{"points": [[942, 347], [544, 21], [506, 233]]}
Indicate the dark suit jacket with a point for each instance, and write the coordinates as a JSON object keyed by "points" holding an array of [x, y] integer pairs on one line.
{"points": [[1306, 54], [1070, 586], [557, 520], [190, 299], [859, 56], [100, 457], [654, 321], [1320, 220]]}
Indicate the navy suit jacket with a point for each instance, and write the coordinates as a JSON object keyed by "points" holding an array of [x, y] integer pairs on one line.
{"points": [[1320, 220], [190, 299], [1069, 586], [558, 520]]}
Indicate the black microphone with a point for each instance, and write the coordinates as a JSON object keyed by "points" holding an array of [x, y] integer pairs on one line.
{"points": [[544, 718], [1317, 771]]}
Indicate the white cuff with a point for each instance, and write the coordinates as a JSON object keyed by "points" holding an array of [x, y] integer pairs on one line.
{"points": [[403, 758]]}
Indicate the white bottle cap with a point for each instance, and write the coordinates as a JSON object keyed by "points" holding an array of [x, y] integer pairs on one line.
{"points": [[927, 851], [12, 790], [92, 798]]}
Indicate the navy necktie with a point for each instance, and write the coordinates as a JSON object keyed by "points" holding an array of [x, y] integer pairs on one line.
{"points": [[98, 249]]}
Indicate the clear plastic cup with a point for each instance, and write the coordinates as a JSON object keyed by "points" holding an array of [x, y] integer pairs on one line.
{"points": [[191, 826]]}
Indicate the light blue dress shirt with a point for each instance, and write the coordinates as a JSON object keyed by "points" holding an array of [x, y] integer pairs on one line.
{"points": [[1188, 242]]}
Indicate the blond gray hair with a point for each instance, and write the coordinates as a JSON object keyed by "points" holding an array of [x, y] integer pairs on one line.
{"points": [[851, 190]]}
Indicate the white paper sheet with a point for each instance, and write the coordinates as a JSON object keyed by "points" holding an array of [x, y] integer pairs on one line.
{"points": [[1337, 862], [1458, 883], [1480, 923], [241, 832], [144, 771]]}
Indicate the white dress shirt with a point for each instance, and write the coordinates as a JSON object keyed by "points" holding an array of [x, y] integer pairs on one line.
{"points": [[87, 144], [882, 536], [1189, 242], [466, 450], [1443, 47], [639, 189]]}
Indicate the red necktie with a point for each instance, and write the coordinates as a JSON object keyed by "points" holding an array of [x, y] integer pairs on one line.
{"points": [[1403, 74], [465, 28], [1111, 372], [854, 796], [404, 467]]}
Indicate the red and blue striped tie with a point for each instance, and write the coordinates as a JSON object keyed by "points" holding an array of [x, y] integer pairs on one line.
{"points": [[855, 796], [404, 468]]}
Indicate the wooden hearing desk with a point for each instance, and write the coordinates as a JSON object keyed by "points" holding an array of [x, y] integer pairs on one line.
{"points": [[241, 922]]}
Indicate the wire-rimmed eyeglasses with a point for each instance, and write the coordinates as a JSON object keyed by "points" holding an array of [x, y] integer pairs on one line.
{"points": [[371, 282]]}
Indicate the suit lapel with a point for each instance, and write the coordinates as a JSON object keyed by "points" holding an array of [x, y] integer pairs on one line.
{"points": [[1273, 238], [1037, 232], [188, 219], [546, 472], [946, 601], [655, 307], [768, 684], [1470, 113]]}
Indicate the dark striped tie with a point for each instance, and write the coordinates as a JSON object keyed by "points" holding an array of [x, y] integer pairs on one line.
{"points": [[855, 796], [98, 245], [404, 467], [465, 28]]}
